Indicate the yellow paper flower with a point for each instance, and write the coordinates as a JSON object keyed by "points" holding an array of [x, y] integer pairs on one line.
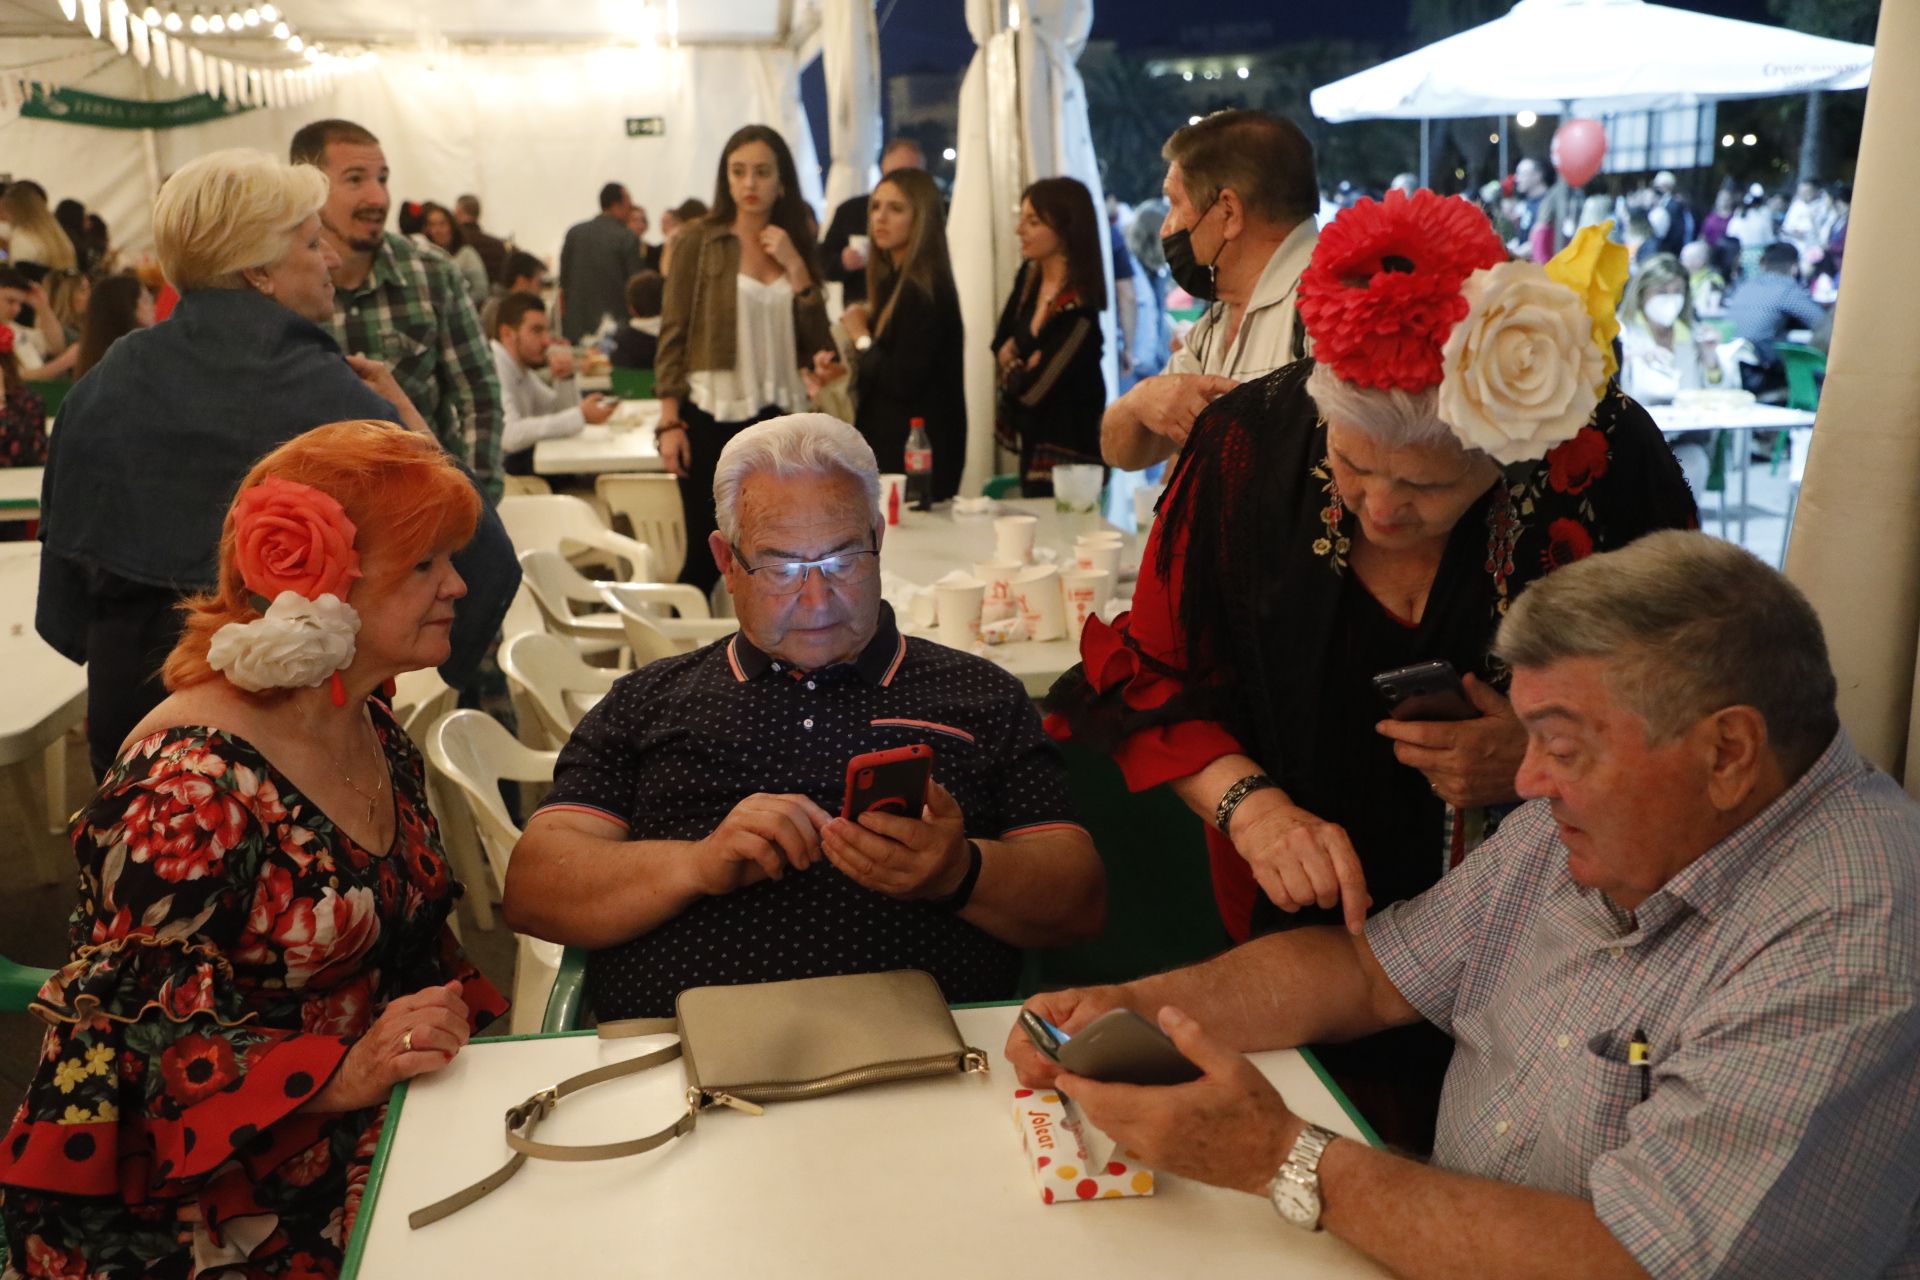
{"points": [[1596, 268]]}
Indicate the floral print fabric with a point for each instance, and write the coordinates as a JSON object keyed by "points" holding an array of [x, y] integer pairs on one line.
{"points": [[229, 946]]}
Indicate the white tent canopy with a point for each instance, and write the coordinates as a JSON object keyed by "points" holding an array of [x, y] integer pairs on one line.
{"points": [[1599, 55], [525, 105]]}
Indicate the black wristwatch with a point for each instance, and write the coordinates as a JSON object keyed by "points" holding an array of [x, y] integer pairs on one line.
{"points": [[957, 900]]}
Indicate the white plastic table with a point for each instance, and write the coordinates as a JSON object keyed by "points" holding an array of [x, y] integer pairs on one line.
{"points": [[922, 1179], [927, 545], [1743, 421], [43, 694], [20, 492], [623, 443]]}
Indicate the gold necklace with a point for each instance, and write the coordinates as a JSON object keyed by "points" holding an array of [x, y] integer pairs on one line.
{"points": [[374, 798]]}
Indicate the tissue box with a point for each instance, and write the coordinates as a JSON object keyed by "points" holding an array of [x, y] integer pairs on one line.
{"points": [[1057, 1153]]}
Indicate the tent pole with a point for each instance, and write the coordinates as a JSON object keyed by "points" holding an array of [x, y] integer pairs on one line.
{"points": [[1504, 170], [1426, 167]]}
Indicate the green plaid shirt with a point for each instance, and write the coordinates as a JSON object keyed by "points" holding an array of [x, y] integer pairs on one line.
{"points": [[412, 312]]}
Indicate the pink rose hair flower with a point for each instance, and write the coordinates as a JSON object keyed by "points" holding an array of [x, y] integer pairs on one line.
{"points": [[1383, 290], [292, 537]]}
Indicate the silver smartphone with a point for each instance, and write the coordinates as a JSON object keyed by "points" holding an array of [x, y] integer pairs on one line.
{"points": [[1119, 1047]]}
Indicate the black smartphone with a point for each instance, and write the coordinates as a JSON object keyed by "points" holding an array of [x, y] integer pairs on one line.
{"points": [[1119, 1047], [1425, 691]]}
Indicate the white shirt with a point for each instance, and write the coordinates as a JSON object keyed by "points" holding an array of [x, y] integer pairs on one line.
{"points": [[27, 348], [534, 411], [1265, 340], [765, 371], [1650, 372]]}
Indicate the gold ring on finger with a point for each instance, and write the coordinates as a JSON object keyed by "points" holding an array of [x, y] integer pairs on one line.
{"points": [[406, 1041]]}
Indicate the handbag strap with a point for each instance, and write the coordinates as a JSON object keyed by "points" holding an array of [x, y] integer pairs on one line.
{"points": [[523, 1117]]}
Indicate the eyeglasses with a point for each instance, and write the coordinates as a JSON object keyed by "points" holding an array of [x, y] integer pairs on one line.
{"points": [[787, 577]]}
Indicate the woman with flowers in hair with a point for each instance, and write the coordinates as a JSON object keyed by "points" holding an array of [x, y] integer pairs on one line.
{"points": [[260, 951], [1455, 435]]}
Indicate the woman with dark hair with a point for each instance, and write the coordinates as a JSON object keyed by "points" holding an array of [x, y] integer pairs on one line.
{"points": [[72, 217], [118, 306], [910, 344], [444, 234], [742, 316], [1048, 345]]}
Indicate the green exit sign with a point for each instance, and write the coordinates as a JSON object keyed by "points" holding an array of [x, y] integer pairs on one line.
{"points": [[646, 126]]}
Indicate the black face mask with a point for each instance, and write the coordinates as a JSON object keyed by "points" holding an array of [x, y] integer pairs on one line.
{"points": [[1196, 279]]}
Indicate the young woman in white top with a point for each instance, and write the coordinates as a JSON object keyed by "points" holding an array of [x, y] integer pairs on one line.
{"points": [[1663, 351], [742, 316]]}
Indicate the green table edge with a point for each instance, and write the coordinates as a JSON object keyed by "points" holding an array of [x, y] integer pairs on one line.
{"points": [[376, 1172]]}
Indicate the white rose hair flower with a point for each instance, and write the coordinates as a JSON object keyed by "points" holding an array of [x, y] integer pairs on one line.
{"points": [[298, 644], [1520, 371]]}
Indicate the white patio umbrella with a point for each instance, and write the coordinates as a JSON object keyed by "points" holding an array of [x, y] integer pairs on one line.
{"points": [[1599, 56]]}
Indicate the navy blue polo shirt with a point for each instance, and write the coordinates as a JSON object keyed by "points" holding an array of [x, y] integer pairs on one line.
{"points": [[677, 744]]}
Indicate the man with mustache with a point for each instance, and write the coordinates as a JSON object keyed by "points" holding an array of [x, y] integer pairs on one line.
{"points": [[1683, 983], [407, 306]]}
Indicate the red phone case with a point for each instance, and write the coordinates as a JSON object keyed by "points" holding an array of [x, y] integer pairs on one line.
{"points": [[892, 781]]}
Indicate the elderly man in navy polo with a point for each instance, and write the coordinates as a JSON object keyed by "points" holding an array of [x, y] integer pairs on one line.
{"points": [[1683, 983], [692, 836]]}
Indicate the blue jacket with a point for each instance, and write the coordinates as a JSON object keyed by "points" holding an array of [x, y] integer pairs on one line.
{"points": [[152, 444]]}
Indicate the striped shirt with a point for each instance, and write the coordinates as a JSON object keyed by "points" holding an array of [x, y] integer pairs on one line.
{"points": [[1775, 981], [412, 311]]}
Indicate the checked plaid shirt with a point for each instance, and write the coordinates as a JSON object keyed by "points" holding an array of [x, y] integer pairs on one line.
{"points": [[1776, 980], [412, 312]]}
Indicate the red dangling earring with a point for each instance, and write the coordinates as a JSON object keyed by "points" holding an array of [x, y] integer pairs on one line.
{"points": [[338, 688]]}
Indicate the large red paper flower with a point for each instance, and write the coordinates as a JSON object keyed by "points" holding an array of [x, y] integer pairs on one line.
{"points": [[1383, 289], [292, 537]]}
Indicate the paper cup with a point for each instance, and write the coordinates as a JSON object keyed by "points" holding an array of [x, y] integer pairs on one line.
{"points": [[1037, 591], [892, 482], [958, 606], [1013, 537], [1145, 499], [998, 575], [923, 611], [1084, 592], [1102, 556]]}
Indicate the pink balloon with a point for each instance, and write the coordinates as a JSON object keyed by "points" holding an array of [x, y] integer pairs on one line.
{"points": [[1578, 148]]}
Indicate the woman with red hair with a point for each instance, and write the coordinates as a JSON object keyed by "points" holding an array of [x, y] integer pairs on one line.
{"points": [[1456, 435], [260, 951]]}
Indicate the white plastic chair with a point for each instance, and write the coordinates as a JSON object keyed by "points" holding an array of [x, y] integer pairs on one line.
{"points": [[557, 588], [570, 526], [474, 753], [420, 698], [651, 504], [651, 633], [520, 486], [551, 687]]}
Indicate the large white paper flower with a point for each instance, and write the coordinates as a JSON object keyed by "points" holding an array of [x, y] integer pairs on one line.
{"points": [[297, 645], [1522, 368]]}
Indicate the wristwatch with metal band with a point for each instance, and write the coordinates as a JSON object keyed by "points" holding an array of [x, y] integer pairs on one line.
{"points": [[1295, 1190]]}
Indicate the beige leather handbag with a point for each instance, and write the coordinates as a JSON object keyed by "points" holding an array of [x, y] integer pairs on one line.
{"points": [[758, 1043]]}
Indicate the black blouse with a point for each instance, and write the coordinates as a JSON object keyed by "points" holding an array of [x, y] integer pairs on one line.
{"points": [[916, 369], [1050, 411]]}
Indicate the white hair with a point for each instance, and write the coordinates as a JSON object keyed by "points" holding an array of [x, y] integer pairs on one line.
{"points": [[791, 445], [229, 211], [1393, 418]]}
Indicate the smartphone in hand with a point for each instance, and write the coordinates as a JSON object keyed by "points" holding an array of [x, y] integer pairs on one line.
{"points": [[1119, 1047], [891, 781], [1425, 691]]}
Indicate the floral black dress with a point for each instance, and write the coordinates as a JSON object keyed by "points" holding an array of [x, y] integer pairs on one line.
{"points": [[229, 946]]}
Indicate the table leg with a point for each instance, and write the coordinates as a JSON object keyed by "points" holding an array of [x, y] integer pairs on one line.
{"points": [[1745, 441], [55, 758]]}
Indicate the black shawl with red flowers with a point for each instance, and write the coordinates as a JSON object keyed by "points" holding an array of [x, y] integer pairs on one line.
{"points": [[1266, 558]]}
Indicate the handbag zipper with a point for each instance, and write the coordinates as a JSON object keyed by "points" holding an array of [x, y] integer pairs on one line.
{"points": [[972, 1061]]}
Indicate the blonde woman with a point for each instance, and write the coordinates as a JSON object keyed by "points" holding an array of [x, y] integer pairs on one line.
{"points": [[153, 442], [37, 239], [908, 334], [1662, 351]]}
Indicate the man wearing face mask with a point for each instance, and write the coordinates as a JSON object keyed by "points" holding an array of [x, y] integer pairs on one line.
{"points": [[1241, 193]]}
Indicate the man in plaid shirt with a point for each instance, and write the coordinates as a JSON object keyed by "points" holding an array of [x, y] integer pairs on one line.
{"points": [[1683, 984], [402, 304]]}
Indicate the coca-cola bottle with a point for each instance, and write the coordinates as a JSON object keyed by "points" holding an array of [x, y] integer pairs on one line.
{"points": [[919, 466]]}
